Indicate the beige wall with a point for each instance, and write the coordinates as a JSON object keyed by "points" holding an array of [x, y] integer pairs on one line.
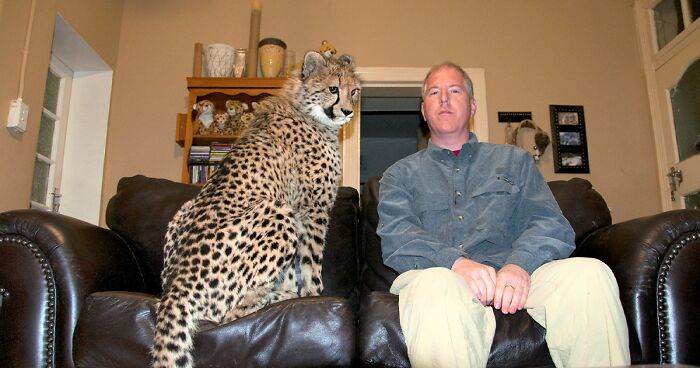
{"points": [[535, 53], [99, 22]]}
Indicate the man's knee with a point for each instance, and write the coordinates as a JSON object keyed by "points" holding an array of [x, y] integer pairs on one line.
{"points": [[590, 268], [582, 273], [439, 276], [437, 280]]}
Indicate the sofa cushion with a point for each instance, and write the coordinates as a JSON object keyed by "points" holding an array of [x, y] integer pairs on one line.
{"points": [[143, 206], [582, 205], [116, 329], [140, 212]]}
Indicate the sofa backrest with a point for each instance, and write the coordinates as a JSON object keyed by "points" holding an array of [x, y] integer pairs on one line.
{"points": [[583, 207], [142, 208]]}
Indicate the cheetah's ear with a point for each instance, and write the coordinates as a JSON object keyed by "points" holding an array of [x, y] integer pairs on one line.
{"points": [[313, 61], [347, 59]]}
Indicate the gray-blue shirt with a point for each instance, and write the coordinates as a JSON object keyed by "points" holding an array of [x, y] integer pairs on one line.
{"points": [[489, 204]]}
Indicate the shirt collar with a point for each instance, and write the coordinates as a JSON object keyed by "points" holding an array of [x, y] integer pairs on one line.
{"points": [[443, 153]]}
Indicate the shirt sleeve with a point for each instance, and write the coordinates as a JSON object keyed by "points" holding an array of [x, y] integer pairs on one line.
{"points": [[405, 245], [546, 234]]}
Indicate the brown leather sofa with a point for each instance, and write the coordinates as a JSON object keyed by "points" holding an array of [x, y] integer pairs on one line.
{"points": [[73, 294]]}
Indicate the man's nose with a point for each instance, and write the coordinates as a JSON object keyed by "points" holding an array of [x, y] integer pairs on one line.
{"points": [[443, 98]]}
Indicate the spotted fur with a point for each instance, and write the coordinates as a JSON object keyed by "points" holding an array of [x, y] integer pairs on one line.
{"points": [[234, 248]]}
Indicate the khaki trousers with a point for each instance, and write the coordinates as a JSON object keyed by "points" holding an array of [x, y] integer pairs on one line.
{"points": [[576, 300]]}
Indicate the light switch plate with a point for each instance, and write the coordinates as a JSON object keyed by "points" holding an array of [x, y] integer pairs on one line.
{"points": [[17, 118]]}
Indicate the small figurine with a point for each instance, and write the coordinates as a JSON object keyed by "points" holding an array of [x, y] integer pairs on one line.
{"points": [[235, 107], [205, 116], [326, 49], [243, 122], [221, 124], [235, 110]]}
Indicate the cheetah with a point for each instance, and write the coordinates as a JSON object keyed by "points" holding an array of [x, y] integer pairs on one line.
{"points": [[254, 235]]}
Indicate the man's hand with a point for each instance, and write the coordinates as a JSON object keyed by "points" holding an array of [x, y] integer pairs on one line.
{"points": [[512, 288], [480, 278]]}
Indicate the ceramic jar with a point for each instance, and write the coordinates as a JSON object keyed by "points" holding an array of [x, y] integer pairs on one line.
{"points": [[271, 54], [219, 60]]}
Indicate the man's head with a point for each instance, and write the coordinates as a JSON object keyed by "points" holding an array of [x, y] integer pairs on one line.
{"points": [[448, 105], [448, 64]]}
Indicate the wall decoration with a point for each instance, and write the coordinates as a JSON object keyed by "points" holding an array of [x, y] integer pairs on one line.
{"points": [[570, 146]]}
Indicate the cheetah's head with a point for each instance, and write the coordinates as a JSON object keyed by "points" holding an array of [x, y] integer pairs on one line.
{"points": [[329, 89]]}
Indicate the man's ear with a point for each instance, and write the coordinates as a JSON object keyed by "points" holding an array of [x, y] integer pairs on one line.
{"points": [[422, 111], [472, 102], [313, 61]]}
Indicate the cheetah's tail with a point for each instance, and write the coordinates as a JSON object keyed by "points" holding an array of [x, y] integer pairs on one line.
{"points": [[175, 326]]}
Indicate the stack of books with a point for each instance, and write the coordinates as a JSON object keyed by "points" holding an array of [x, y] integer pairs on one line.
{"points": [[199, 155], [218, 151], [199, 164], [203, 160]]}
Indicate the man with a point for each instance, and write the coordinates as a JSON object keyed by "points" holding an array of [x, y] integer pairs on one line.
{"points": [[472, 227]]}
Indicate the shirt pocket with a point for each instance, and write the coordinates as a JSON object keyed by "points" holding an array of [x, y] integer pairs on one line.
{"points": [[500, 184], [496, 203]]}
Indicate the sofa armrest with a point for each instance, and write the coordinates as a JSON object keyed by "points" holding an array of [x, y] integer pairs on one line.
{"points": [[655, 261], [49, 263]]}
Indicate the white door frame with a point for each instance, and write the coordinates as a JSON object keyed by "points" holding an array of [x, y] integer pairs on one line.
{"points": [[86, 137], [401, 77], [654, 59]]}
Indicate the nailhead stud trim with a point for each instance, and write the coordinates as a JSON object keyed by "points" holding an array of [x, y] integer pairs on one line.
{"points": [[664, 343], [49, 338]]}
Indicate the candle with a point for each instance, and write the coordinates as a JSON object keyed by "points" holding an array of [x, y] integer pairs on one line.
{"points": [[251, 64]]}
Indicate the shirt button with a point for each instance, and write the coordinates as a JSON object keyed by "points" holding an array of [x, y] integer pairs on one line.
{"points": [[458, 193], [460, 246], [460, 217], [457, 169]]}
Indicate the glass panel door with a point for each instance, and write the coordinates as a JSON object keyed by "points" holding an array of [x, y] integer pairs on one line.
{"points": [[49, 150], [668, 21], [678, 92], [685, 104], [674, 91]]}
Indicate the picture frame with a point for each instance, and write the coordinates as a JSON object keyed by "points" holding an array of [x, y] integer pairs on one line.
{"points": [[570, 145]]}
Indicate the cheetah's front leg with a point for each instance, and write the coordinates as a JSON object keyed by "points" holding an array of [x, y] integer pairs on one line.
{"points": [[310, 253]]}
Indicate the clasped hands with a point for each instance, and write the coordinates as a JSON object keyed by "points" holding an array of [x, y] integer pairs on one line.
{"points": [[506, 290]]}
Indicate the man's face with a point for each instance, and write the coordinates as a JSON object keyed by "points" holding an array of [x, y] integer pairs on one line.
{"points": [[446, 105]]}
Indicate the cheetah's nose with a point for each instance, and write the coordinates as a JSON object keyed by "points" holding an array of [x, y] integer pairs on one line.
{"points": [[346, 112]]}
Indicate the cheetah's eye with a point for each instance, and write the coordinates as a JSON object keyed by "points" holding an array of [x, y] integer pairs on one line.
{"points": [[333, 89]]}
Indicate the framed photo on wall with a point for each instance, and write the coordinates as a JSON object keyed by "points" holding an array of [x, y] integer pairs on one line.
{"points": [[570, 146]]}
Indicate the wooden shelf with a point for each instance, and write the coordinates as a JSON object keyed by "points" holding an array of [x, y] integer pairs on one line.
{"points": [[218, 91], [205, 140], [235, 83]]}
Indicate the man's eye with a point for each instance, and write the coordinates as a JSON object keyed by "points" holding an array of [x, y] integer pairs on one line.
{"points": [[432, 93], [456, 91]]}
